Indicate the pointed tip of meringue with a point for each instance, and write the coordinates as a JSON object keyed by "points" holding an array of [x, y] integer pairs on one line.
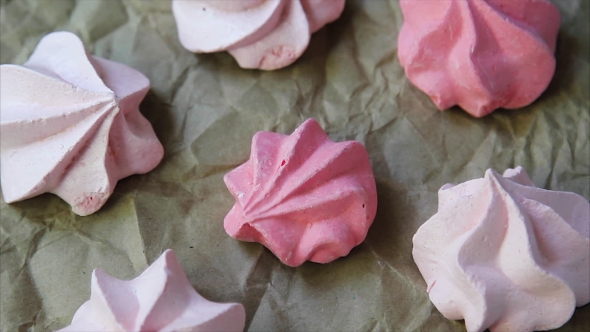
{"points": [[62, 38], [310, 126], [160, 299]]}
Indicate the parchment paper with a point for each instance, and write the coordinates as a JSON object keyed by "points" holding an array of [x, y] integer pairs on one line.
{"points": [[205, 109]]}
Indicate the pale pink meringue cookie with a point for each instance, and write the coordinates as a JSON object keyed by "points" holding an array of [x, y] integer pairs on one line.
{"points": [[160, 299], [505, 255], [479, 54], [70, 125], [303, 196], [264, 34]]}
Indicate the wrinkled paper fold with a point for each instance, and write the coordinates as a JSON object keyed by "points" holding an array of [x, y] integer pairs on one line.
{"points": [[205, 109]]}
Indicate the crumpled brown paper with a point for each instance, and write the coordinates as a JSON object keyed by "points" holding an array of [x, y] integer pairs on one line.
{"points": [[205, 109]]}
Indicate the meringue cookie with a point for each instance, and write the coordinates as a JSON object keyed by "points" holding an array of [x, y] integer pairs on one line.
{"points": [[160, 299], [303, 196], [480, 55], [264, 34], [505, 255], [70, 125]]}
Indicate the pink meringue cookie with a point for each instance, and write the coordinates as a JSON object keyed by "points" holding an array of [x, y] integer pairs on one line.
{"points": [[264, 34], [480, 55], [160, 299], [303, 196], [505, 255], [70, 125]]}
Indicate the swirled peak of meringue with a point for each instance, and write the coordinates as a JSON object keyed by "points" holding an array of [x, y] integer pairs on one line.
{"points": [[160, 299], [303, 196], [479, 54], [263, 34], [505, 255], [70, 125]]}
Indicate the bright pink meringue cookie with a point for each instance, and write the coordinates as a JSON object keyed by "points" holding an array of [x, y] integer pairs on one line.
{"points": [[70, 125], [479, 54], [505, 255], [303, 196], [264, 34], [160, 299]]}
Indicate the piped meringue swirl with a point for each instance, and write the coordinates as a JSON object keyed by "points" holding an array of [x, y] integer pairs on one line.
{"points": [[303, 196], [160, 299], [263, 34], [70, 125], [505, 255], [479, 54]]}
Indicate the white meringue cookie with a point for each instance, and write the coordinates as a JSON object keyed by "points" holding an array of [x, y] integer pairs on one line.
{"points": [[160, 299], [505, 255], [264, 34], [70, 125]]}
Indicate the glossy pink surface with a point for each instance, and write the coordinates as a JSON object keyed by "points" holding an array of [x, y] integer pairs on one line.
{"points": [[505, 255], [70, 125], [479, 54], [303, 196]]}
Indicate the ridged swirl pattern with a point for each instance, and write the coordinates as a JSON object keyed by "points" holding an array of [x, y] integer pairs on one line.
{"points": [[303, 196], [160, 299], [263, 34], [70, 125], [479, 54], [505, 255]]}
